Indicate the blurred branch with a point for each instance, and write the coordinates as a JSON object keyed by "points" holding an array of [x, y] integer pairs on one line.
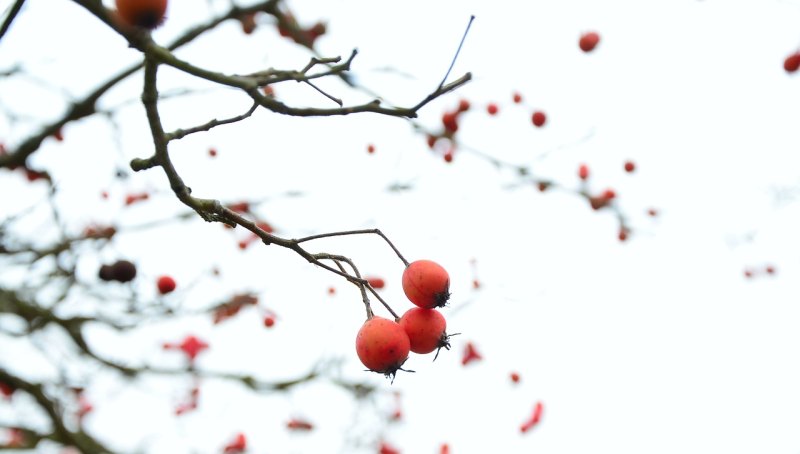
{"points": [[12, 14], [78, 439]]}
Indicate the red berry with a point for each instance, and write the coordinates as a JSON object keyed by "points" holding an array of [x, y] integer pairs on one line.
{"points": [[426, 284], [376, 282], [514, 377], [748, 273], [589, 41], [166, 284], [492, 109], [448, 156], [538, 118], [609, 194], [583, 172], [770, 269], [463, 105], [431, 139], [792, 62], [386, 448], [142, 13], [630, 166], [370, 148], [425, 329], [450, 121], [623, 234], [269, 321], [382, 345], [652, 212], [517, 98]]}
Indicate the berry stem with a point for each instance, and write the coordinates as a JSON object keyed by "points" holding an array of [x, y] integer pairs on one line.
{"points": [[355, 232]]}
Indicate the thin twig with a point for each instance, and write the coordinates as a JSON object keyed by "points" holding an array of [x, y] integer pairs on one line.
{"points": [[458, 51], [12, 14]]}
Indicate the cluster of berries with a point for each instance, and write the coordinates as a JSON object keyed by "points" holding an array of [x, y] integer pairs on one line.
{"points": [[383, 345]]}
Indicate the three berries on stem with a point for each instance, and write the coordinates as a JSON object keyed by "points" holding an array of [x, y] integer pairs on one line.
{"points": [[383, 345]]}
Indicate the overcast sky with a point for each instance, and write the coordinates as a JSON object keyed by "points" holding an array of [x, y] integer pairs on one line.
{"points": [[655, 345]]}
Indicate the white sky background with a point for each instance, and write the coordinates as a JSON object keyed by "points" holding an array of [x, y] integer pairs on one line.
{"points": [[657, 345]]}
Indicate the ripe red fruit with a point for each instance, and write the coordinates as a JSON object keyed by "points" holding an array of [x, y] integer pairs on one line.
{"points": [[792, 62], [589, 41], [142, 13], [630, 166], [212, 152], [583, 172], [382, 345], [463, 105], [448, 156], [370, 148], [376, 282], [517, 98], [386, 448], [166, 284], [426, 284], [514, 377], [538, 118], [425, 329], [450, 121], [269, 321], [492, 109]]}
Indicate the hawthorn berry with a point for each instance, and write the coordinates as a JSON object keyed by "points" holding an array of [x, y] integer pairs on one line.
{"points": [[425, 329], [589, 41], [463, 105], [492, 109], [538, 118], [269, 321], [166, 284], [147, 14], [376, 282], [370, 148], [516, 97], [792, 63], [426, 284], [382, 345], [514, 377], [583, 172], [630, 166], [450, 122]]}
